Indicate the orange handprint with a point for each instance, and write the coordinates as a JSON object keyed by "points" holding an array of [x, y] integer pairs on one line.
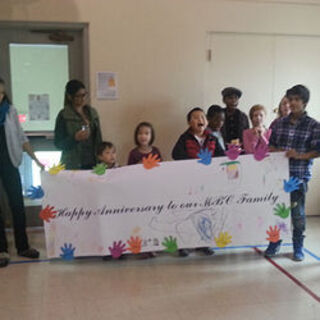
{"points": [[151, 161], [134, 244], [47, 213], [274, 234]]}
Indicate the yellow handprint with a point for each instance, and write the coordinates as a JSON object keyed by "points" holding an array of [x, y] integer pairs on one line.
{"points": [[55, 169], [223, 240]]}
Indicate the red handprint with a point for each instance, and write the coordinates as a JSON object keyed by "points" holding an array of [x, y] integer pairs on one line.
{"points": [[151, 161], [47, 213], [274, 234], [134, 244]]}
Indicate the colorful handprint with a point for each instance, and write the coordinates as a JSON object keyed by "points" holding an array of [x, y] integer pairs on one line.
{"points": [[47, 213], [282, 211], [100, 169], [233, 151], [261, 151], [205, 156], [170, 244], [67, 252], [274, 234], [35, 192], [291, 185], [151, 161], [118, 249], [223, 240], [134, 245], [55, 169]]}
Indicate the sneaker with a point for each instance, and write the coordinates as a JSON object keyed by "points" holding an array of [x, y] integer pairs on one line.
{"points": [[183, 252], [29, 253], [4, 259], [298, 255], [273, 249], [206, 251]]}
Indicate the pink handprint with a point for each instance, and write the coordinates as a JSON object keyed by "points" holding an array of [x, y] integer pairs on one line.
{"points": [[261, 151], [233, 151], [117, 250]]}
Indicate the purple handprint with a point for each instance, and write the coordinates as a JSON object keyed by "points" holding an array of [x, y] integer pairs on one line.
{"points": [[261, 151], [233, 151], [117, 250]]}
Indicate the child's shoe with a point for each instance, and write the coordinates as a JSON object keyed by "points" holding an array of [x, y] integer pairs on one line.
{"points": [[206, 251], [298, 254], [29, 253], [272, 249], [183, 252]]}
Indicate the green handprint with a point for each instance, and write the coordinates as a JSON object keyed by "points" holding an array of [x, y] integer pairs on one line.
{"points": [[100, 169], [170, 244], [282, 211]]}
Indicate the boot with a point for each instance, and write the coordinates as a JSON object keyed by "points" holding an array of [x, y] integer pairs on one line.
{"points": [[298, 254]]}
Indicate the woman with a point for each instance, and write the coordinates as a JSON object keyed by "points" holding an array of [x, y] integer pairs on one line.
{"points": [[13, 142], [77, 131], [283, 110]]}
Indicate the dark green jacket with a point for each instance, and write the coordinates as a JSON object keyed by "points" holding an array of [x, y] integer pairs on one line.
{"points": [[68, 122]]}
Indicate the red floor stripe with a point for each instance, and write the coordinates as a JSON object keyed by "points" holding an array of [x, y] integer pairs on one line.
{"points": [[291, 277]]}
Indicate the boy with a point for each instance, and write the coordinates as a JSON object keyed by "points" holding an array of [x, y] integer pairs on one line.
{"points": [[298, 135], [106, 154], [190, 143], [216, 118], [236, 121]]}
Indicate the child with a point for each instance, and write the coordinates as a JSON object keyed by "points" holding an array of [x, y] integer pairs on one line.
{"points": [[299, 135], [236, 121], [216, 117], [259, 134], [190, 143], [283, 110], [143, 137], [106, 154]]}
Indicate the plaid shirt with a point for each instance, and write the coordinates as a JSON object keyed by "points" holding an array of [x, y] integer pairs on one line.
{"points": [[303, 136]]}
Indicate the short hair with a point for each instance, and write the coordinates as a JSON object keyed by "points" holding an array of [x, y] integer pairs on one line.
{"points": [[213, 110], [103, 146], [139, 126], [192, 111], [257, 107], [301, 91]]}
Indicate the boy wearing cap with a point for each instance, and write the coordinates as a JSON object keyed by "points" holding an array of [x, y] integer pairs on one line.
{"points": [[236, 121]]}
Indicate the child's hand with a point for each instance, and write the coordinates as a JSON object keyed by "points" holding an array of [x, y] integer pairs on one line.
{"points": [[100, 169], [274, 234], [261, 151], [223, 240], [47, 213], [134, 244], [293, 154], [55, 169], [117, 250]]}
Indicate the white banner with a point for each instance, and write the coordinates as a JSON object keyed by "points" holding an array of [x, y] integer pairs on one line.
{"points": [[182, 204]]}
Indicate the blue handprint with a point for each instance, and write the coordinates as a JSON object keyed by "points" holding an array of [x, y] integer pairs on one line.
{"points": [[291, 185], [35, 192], [205, 156], [67, 252]]}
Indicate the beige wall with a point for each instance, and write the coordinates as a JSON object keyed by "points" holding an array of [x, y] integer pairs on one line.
{"points": [[158, 49]]}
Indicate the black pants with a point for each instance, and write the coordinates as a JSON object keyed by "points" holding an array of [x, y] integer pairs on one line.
{"points": [[12, 185]]}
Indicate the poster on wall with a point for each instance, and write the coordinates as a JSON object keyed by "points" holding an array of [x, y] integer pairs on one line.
{"points": [[107, 85], [166, 207], [39, 108]]}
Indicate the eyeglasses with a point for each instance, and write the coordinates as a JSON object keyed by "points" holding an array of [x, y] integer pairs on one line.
{"points": [[81, 96]]}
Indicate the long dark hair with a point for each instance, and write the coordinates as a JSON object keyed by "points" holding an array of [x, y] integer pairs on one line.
{"points": [[5, 98], [72, 87]]}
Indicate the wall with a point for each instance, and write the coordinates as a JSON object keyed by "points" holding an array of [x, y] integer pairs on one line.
{"points": [[158, 47]]}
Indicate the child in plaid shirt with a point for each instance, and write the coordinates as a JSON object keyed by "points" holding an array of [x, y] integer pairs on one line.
{"points": [[298, 135]]}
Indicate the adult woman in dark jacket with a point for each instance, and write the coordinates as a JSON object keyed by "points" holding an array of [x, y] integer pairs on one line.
{"points": [[77, 130]]}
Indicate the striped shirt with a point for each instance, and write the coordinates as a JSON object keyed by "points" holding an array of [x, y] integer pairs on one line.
{"points": [[303, 136]]}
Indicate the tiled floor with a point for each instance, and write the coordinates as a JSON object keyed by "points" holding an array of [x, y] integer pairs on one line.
{"points": [[233, 284]]}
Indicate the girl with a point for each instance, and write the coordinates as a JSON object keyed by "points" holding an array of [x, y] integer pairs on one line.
{"points": [[283, 110], [258, 133], [143, 137]]}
